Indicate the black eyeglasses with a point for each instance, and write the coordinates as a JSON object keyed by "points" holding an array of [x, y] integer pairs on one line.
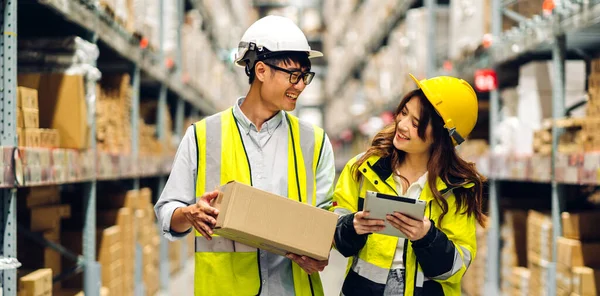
{"points": [[295, 76]]}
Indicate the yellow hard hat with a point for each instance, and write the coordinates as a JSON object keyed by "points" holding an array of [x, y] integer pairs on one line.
{"points": [[455, 101]]}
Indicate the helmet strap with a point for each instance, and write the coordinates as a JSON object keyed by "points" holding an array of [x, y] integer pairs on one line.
{"points": [[456, 136], [250, 57], [254, 54]]}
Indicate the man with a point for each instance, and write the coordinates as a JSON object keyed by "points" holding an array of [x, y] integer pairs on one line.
{"points": [[258, 143]]}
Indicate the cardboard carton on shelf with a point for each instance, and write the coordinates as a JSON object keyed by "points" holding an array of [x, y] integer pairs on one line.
{"points": [[49, 217], [37, 283], [62, 105], [586, 281], [539, 236], [40, 196], [273, 223], [29, 137], [49, 138], [581, 226], [571, 252], [564, 277], [27, 98], [31, 118]]}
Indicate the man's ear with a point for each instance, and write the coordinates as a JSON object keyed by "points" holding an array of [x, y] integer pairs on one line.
{"points": [[260, 70]]}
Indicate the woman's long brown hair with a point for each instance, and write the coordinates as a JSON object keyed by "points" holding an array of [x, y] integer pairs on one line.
{"points": [[443, 163]]}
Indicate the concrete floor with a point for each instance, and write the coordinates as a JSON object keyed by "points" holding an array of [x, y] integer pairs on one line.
{"points": [[182, 283]]}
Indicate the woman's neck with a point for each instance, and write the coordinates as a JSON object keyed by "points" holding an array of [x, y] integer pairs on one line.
{"points": [[414, 166]]}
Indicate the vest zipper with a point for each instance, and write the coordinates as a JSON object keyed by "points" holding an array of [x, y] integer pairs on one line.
{"points": [[251, 183]]}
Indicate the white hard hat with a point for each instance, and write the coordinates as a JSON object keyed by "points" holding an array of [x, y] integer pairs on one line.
{"points": [[275, 33]]}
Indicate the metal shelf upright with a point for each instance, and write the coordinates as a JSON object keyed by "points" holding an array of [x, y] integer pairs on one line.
{"points": [[492, 279], [8, 98], [92, 281]]}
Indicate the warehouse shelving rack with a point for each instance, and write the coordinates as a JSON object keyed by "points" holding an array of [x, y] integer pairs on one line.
{"points": [[145, 67], [570, 27], [371, 43]]}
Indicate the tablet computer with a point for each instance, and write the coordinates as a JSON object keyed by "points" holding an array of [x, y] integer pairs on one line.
{"points": [[379, 205]]}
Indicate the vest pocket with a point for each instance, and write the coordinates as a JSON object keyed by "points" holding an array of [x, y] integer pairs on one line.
{"points": [[239, 270]]}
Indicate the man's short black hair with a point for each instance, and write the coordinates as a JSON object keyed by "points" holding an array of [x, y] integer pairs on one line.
{"points": [[287, 58]]}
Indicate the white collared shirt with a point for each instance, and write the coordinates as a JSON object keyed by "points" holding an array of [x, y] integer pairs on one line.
{"points": [[414, 192]]}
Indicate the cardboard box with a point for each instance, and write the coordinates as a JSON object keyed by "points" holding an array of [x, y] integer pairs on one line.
{"points": [[520, 278], [586, 281], [539, 235], [48, 217], [21, 137], [27, 97], [577, 253], [29, 137], [20, 118], [37, 283], [62, 106], [581, 226], [49, 138], [31, 118], [40, 196], [564, 277], [516, 220], [273, 223]]}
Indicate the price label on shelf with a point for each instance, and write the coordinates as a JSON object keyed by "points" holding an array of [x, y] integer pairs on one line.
{"points": [[486, 80]]}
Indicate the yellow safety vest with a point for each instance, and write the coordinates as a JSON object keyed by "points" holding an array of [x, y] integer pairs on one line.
{"points": [[372, 265], [225, 267]]}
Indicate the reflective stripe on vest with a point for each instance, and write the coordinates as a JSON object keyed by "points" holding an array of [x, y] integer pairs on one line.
{"points": [[222, 157], [457, 264], [370, 271]]}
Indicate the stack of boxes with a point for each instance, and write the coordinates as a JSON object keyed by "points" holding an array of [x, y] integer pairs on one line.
{"points": [[592, 124], [148, 238], [473, 280], [534, 106], [37, 283], [110, 256], [539, 251], [125, 222], [62, 71], [578, 263], [514, 249], [123, 219], [113, 114], [62, 105], [41, 207], [572, 140], [519, 281], [28, 122], [150, 145]]}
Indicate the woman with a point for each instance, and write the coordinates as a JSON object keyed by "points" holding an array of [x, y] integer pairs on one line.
{"points": [[414, 158]]}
